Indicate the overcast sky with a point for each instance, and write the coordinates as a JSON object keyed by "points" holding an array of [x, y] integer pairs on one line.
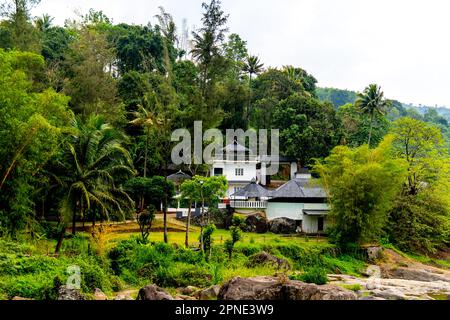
{"points": [[402, 45]]}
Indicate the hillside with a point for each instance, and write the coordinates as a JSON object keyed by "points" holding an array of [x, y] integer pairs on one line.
{"points": [[339, 97]]}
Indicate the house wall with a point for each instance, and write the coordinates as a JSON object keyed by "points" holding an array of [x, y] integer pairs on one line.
{"points": [[284, 210], [229, 172], [295, 211]]}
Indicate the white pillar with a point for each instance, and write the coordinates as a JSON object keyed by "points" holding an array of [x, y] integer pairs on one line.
{"points": [[293, 169]]}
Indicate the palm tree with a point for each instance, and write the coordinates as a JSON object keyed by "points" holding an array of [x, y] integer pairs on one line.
{"points": [[93, 162], [252, 66], [44, 22], [371, 102]]}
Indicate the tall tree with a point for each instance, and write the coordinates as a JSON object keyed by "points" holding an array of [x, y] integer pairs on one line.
{"points": [[32, 121], [360, 197], [372, 101], [22, 34], [90, 81], [420, 218], [252, 66], [207, 42], [93, 163]]}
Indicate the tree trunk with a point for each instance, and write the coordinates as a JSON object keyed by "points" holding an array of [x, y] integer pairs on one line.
{"points": [[188, 223], [74, 222], [370, 130], [60, 240], [166, 240], [142, 204]]}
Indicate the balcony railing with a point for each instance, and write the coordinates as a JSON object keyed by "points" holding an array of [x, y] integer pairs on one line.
{"points": [[248, 204]]}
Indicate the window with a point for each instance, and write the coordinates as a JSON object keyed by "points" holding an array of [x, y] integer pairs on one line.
{"points": [[218, 172], [236, 189], [239, 171]]}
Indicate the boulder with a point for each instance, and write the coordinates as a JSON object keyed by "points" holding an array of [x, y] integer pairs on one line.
{"points": [[65, 293], [210, 293], [373, 253], [123, 296], [264, 258], [389, 294], [256, 223], [99, 294], [187, 291], [153, 292], [184, 297], [20, 298], [283, 226], [417, 275], [271, 288], [371, 298]]}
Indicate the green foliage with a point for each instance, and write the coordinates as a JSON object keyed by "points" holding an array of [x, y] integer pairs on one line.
{"points": [[33, 122], [360, 195], [306, 122], [356, 126], [315, 275], [28, 273], [337, 97]]}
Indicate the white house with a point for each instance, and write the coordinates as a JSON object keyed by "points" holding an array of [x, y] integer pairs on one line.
{"points": [[300, 199], [244, 167]]}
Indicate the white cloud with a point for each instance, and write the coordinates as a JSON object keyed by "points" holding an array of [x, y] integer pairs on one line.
{"points": [[401, 45]]}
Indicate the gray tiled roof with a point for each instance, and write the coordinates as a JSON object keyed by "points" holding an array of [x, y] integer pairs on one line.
{"points": [[299, 188], [252, 190]]}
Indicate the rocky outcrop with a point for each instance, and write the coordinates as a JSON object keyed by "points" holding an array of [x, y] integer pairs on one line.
{"points": [[153, 292], [415, 274], [99, 294], [256, 223], [282, 226], [393, 289], [65, 293], [271, 288], [210, 293], [16, 298], [187, 291], [264, 258]]}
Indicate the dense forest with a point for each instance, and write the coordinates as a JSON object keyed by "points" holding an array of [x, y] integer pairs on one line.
{"points": [[87, 110]]}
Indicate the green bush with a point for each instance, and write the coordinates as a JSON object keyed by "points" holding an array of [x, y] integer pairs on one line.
{"points": [[317, 275]]}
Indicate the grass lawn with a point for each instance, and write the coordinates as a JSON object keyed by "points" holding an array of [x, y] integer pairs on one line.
{"points": [[177, 235]]}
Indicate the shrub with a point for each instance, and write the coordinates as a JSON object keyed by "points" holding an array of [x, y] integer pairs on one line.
{"points": [[316, 275]]}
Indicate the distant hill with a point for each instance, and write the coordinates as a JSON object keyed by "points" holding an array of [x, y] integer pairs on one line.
{"points": [[339, 97]]}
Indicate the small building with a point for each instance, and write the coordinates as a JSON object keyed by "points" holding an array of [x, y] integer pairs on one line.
{"points": [[302, 200], [250, 199], [240, 167]]}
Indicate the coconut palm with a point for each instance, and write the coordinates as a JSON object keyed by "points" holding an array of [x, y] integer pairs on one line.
{"points": [[252, 66], [93, 162], [44, 22], [371, 102]]}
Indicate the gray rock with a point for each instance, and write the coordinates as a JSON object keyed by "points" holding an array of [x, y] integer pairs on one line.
{"points": [[264, 258], [65, 293], [210, 293], [373, 253], [20, 298], [271, 288], [389, 294], [417, 275], [282, 225], [99, 294], [123, 297], [256, 223], [153, 292], [371, 298], [184, 297], [189, 290]]}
